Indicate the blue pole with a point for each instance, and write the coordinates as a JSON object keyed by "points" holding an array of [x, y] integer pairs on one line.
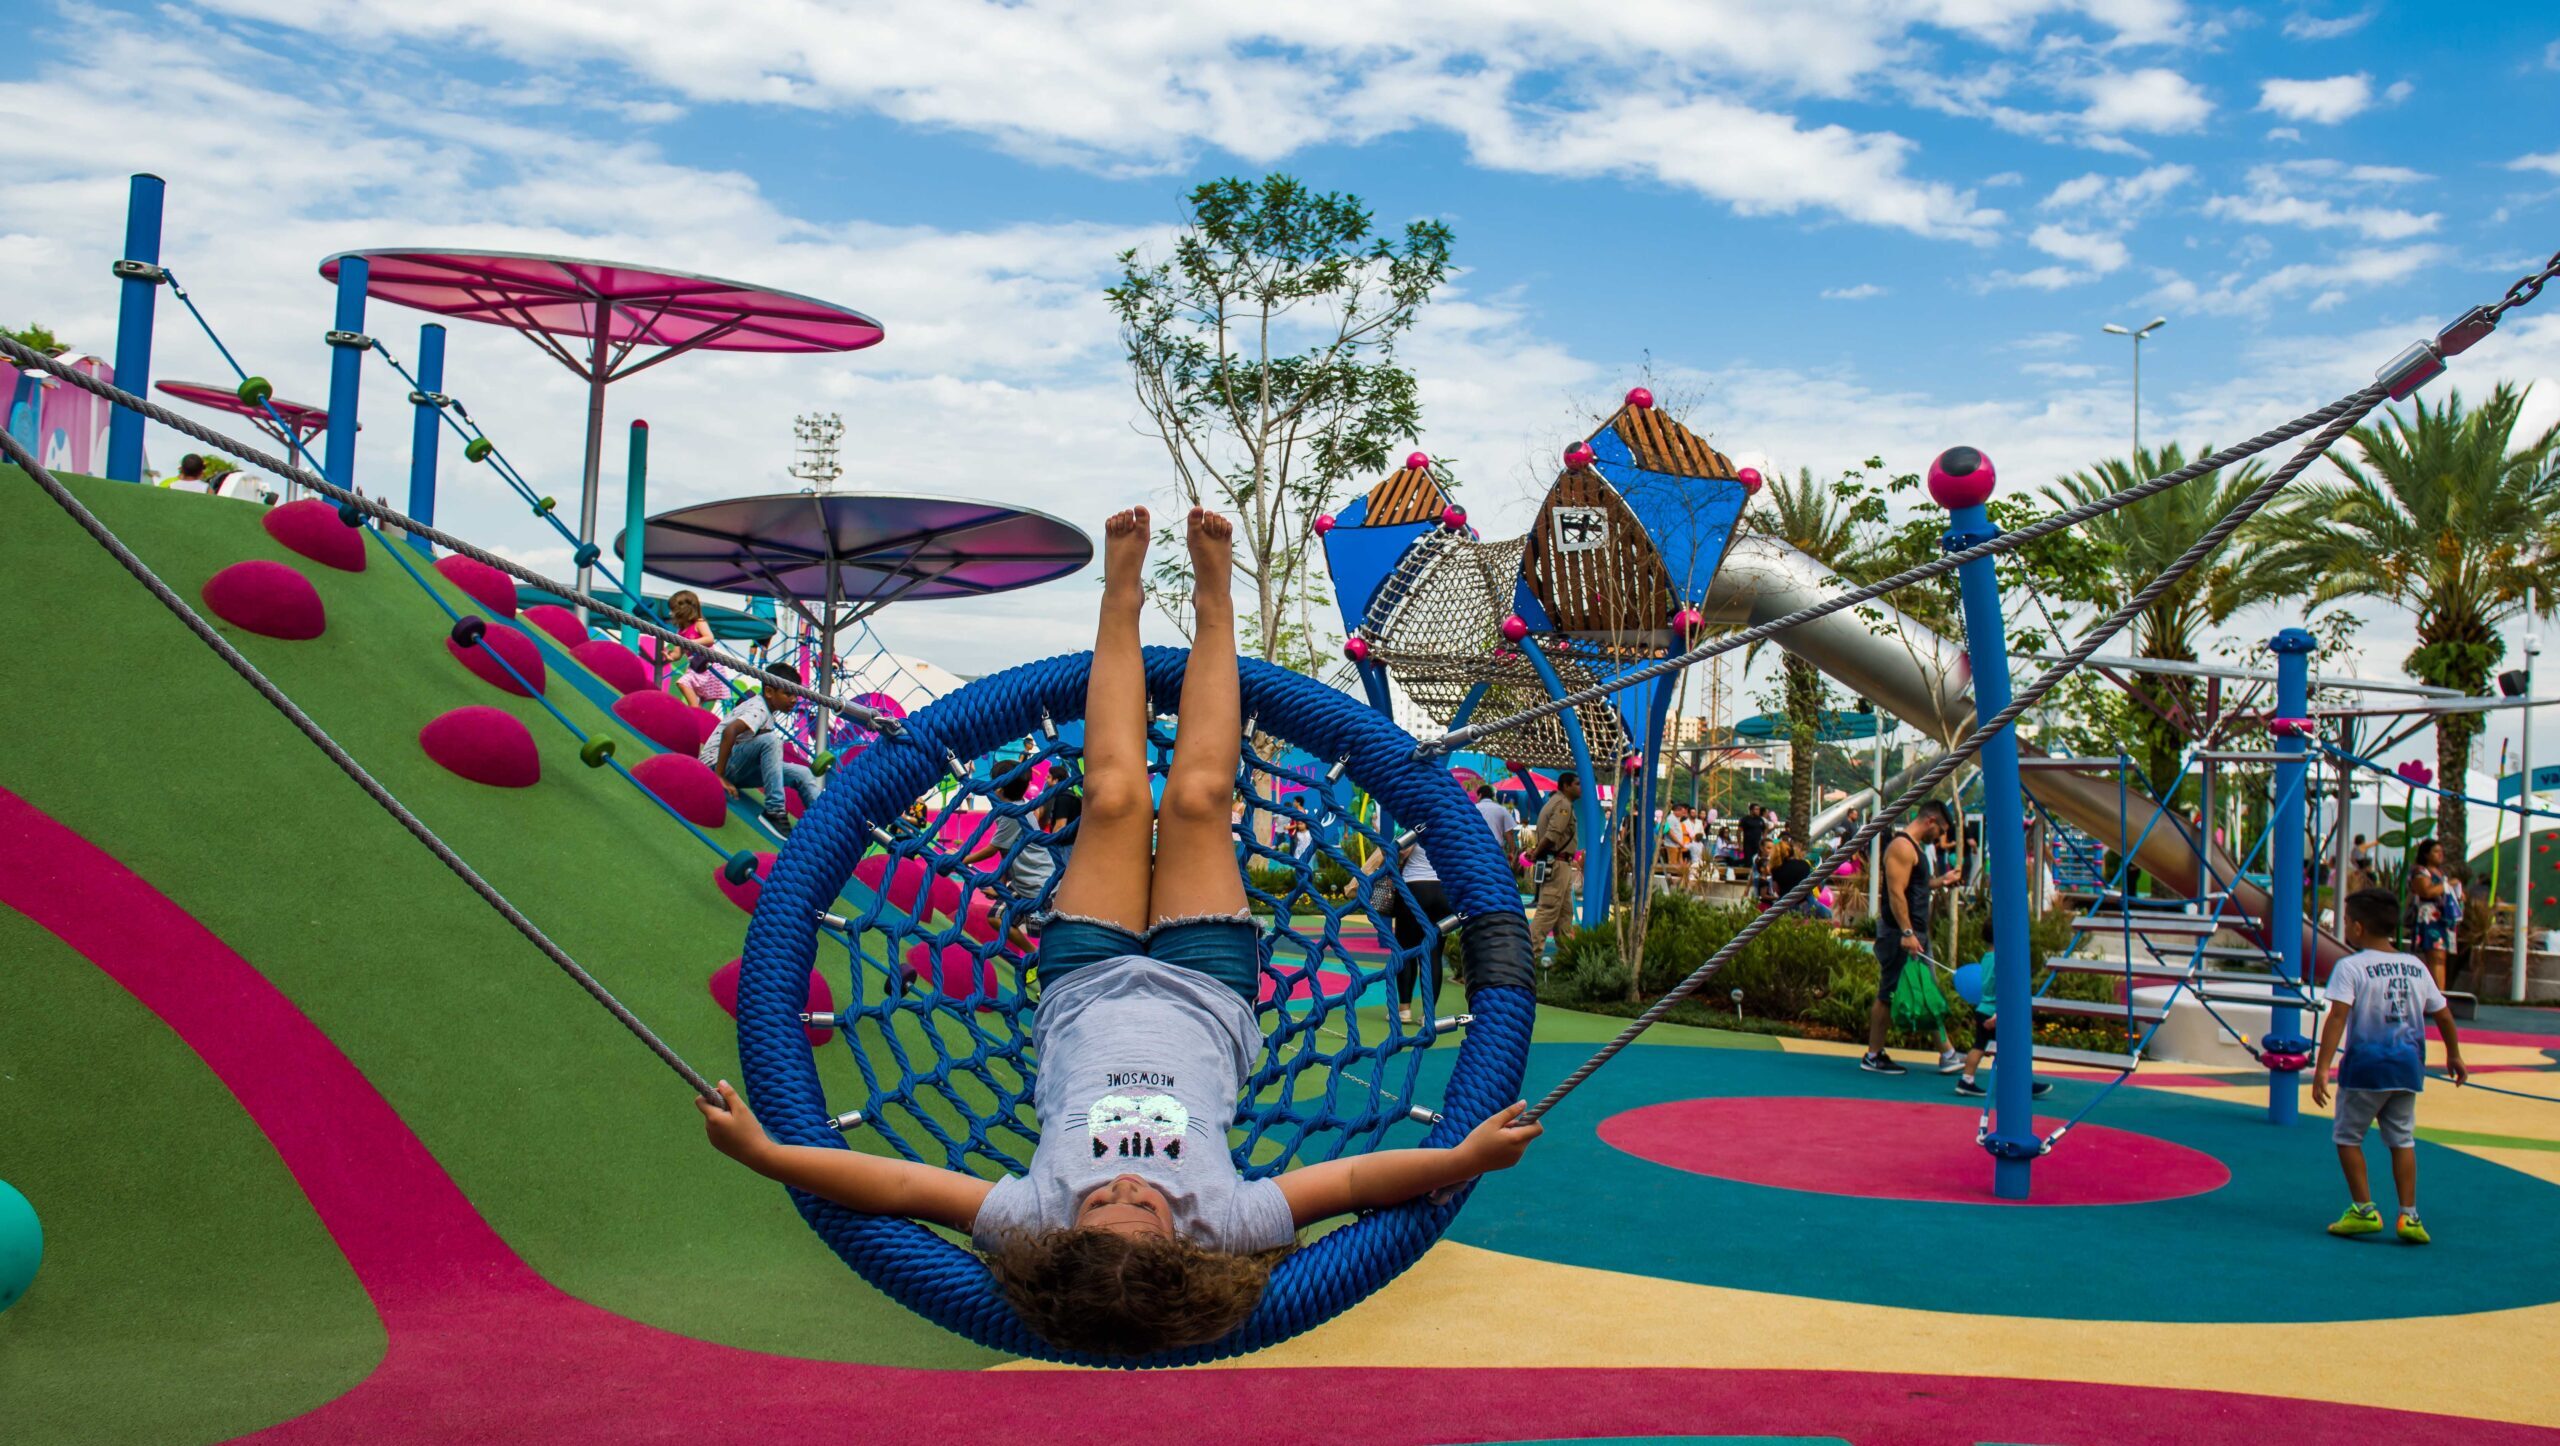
{"points": [[1588, 825], [1962, 480], [424, 430], [2293, 648], [346, 372], [140, 268], [635, 524]]}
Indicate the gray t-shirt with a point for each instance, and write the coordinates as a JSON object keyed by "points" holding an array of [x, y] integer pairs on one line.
{"points": [[1031, 869], [1140, 1066]]}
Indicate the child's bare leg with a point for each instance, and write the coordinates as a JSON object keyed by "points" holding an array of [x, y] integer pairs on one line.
{"points": [[2351, 1161], [2404, 1177], [1106, 875], [1196, 870]]}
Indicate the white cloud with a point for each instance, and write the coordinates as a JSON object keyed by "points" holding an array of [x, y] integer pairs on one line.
{"points": [[2284, 133], [2120, 197], [2321, 284], [1860, 292], [2042, 278], [2271, 201], [2060, 371], [2317, 102], [2153, 100], [2005, 178], [2547, 162], [2100, 254], [2307, 27]]}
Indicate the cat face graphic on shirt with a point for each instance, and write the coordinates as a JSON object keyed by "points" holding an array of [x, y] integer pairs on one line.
{"points": [[1137, 1127]]}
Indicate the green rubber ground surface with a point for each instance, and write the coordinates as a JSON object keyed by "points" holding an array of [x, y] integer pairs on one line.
{"points": [[188, 1293]]}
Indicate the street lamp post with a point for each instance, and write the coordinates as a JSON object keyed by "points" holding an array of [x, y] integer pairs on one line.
{"points": [[2148, 327]]}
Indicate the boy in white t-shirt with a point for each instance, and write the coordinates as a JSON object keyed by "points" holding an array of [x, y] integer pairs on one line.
{"points": [[2379, 1003]]}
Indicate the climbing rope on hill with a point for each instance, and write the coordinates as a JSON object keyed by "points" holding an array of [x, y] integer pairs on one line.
{"points": [[17, 453]]}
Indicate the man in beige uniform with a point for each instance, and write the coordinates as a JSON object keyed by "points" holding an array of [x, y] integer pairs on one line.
{"points": [[1554, 849]]}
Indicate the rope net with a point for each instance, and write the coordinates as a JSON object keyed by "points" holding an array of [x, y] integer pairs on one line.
{"points": [[942, 966], [1436, 625]]}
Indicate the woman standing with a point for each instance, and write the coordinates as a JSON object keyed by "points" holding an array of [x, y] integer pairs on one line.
{"points": [[2437, 906]]}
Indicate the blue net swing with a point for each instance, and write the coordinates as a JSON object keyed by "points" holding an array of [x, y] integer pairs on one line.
{"points": [[937, 990]]}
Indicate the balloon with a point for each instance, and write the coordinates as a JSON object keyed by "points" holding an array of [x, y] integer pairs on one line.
{"points": [[1969, 981]]}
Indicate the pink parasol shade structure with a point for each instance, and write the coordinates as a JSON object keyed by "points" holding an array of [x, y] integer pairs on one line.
{"points": [[836, 558], [301, 420], [605, 321]]}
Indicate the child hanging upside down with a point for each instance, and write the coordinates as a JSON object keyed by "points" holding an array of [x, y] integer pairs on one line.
{"points": [[1132, 1231]]}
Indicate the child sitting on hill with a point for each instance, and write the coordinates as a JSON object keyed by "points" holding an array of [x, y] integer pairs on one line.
{"points": [[2379, 1003], [1132, 1231], [689, 673]]}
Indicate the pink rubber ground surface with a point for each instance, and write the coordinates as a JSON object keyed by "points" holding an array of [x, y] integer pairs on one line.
{"points": [[482, 1349], [1898, 1150]]}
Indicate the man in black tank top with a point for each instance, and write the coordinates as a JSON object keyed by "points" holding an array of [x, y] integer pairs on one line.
{"points": [[1902, 926]]}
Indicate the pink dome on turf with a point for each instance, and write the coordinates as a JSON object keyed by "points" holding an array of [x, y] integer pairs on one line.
{"points": [[267, 598], [559, 622], [958, 973], [311, 527], [743, 895], [666, 720], [822, 996], [488, 587], [687, 785], [619, 667], [511, 645], [484, 744]]}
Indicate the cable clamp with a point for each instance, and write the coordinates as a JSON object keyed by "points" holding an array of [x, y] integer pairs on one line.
{"points": [[2292, 727], [832, 921], [2466, 331], [140, 271], [2004, 1148], [2420, 364], [1454, 1021], [1422, 1116], [437, 400], [820, 1019], [850, 1119], [348, 340]]}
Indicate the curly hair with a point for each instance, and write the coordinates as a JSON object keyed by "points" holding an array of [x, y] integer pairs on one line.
{"points": [[1103, 1293]]}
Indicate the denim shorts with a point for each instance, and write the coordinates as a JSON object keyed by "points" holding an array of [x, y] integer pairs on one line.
{"points": [[1228, 950]]}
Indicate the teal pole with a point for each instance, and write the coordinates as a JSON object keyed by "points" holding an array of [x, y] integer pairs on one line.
{"points": [[1962, 481], [2291, 725], [139, 268], [635, 525]]}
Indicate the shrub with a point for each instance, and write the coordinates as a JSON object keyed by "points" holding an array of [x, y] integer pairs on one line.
{"points": [[1588, 963], [1332, 879]]}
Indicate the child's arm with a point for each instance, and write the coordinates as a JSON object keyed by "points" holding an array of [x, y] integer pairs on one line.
{"points": [[2452, 1046], [2333, 1030], [850, 1178], [1391, 1177]]}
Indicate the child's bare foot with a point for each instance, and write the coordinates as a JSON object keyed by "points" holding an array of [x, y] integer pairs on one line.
{"points": [[1212, 540], [1124, 551]]}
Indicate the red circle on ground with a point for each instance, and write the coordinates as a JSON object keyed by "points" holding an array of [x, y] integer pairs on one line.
{"points": [[1900, 1150]]}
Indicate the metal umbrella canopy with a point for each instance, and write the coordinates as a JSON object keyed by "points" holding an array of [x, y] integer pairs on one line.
{"points": [[605, 321], [836, 558], [301, 421]]}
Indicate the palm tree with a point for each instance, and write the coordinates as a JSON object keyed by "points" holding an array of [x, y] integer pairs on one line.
{"points": [[2134, 544], [1813, 519], [2444, 517]]}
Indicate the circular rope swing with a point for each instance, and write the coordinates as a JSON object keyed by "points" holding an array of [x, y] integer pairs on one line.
{"points": [[943, 1037]]}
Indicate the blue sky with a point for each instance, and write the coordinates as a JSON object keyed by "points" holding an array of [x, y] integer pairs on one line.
{"points": [[1845, 228]]}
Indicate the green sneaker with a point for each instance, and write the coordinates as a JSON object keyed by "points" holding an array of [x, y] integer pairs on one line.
{"points": [[2359, 1220], [2411, 1230]]}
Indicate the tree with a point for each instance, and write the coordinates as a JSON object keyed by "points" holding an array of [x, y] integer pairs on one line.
{"points": [[34, 334], [2133, 544], [2448, 519], [1263, 351]]}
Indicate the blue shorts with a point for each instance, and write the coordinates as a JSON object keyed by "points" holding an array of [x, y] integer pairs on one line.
{"points": [[1227, 950]]}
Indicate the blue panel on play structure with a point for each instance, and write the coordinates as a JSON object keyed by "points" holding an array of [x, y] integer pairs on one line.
{"points": [[1690, 532], [1363, 557]]}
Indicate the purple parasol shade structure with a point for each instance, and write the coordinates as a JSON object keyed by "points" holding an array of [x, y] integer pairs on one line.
{"points": [[838, 557], [605, 321], [301, 420]]}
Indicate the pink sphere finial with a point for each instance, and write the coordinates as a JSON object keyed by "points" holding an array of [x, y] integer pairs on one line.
{"points": [[1454, 517], [1579, 456], [1324, 523], [1357, 650], [1688, 620], [1640, 398], [1515, 627], [1962, 477], [1418, 462], [1632, 764], [1749, 477]]}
